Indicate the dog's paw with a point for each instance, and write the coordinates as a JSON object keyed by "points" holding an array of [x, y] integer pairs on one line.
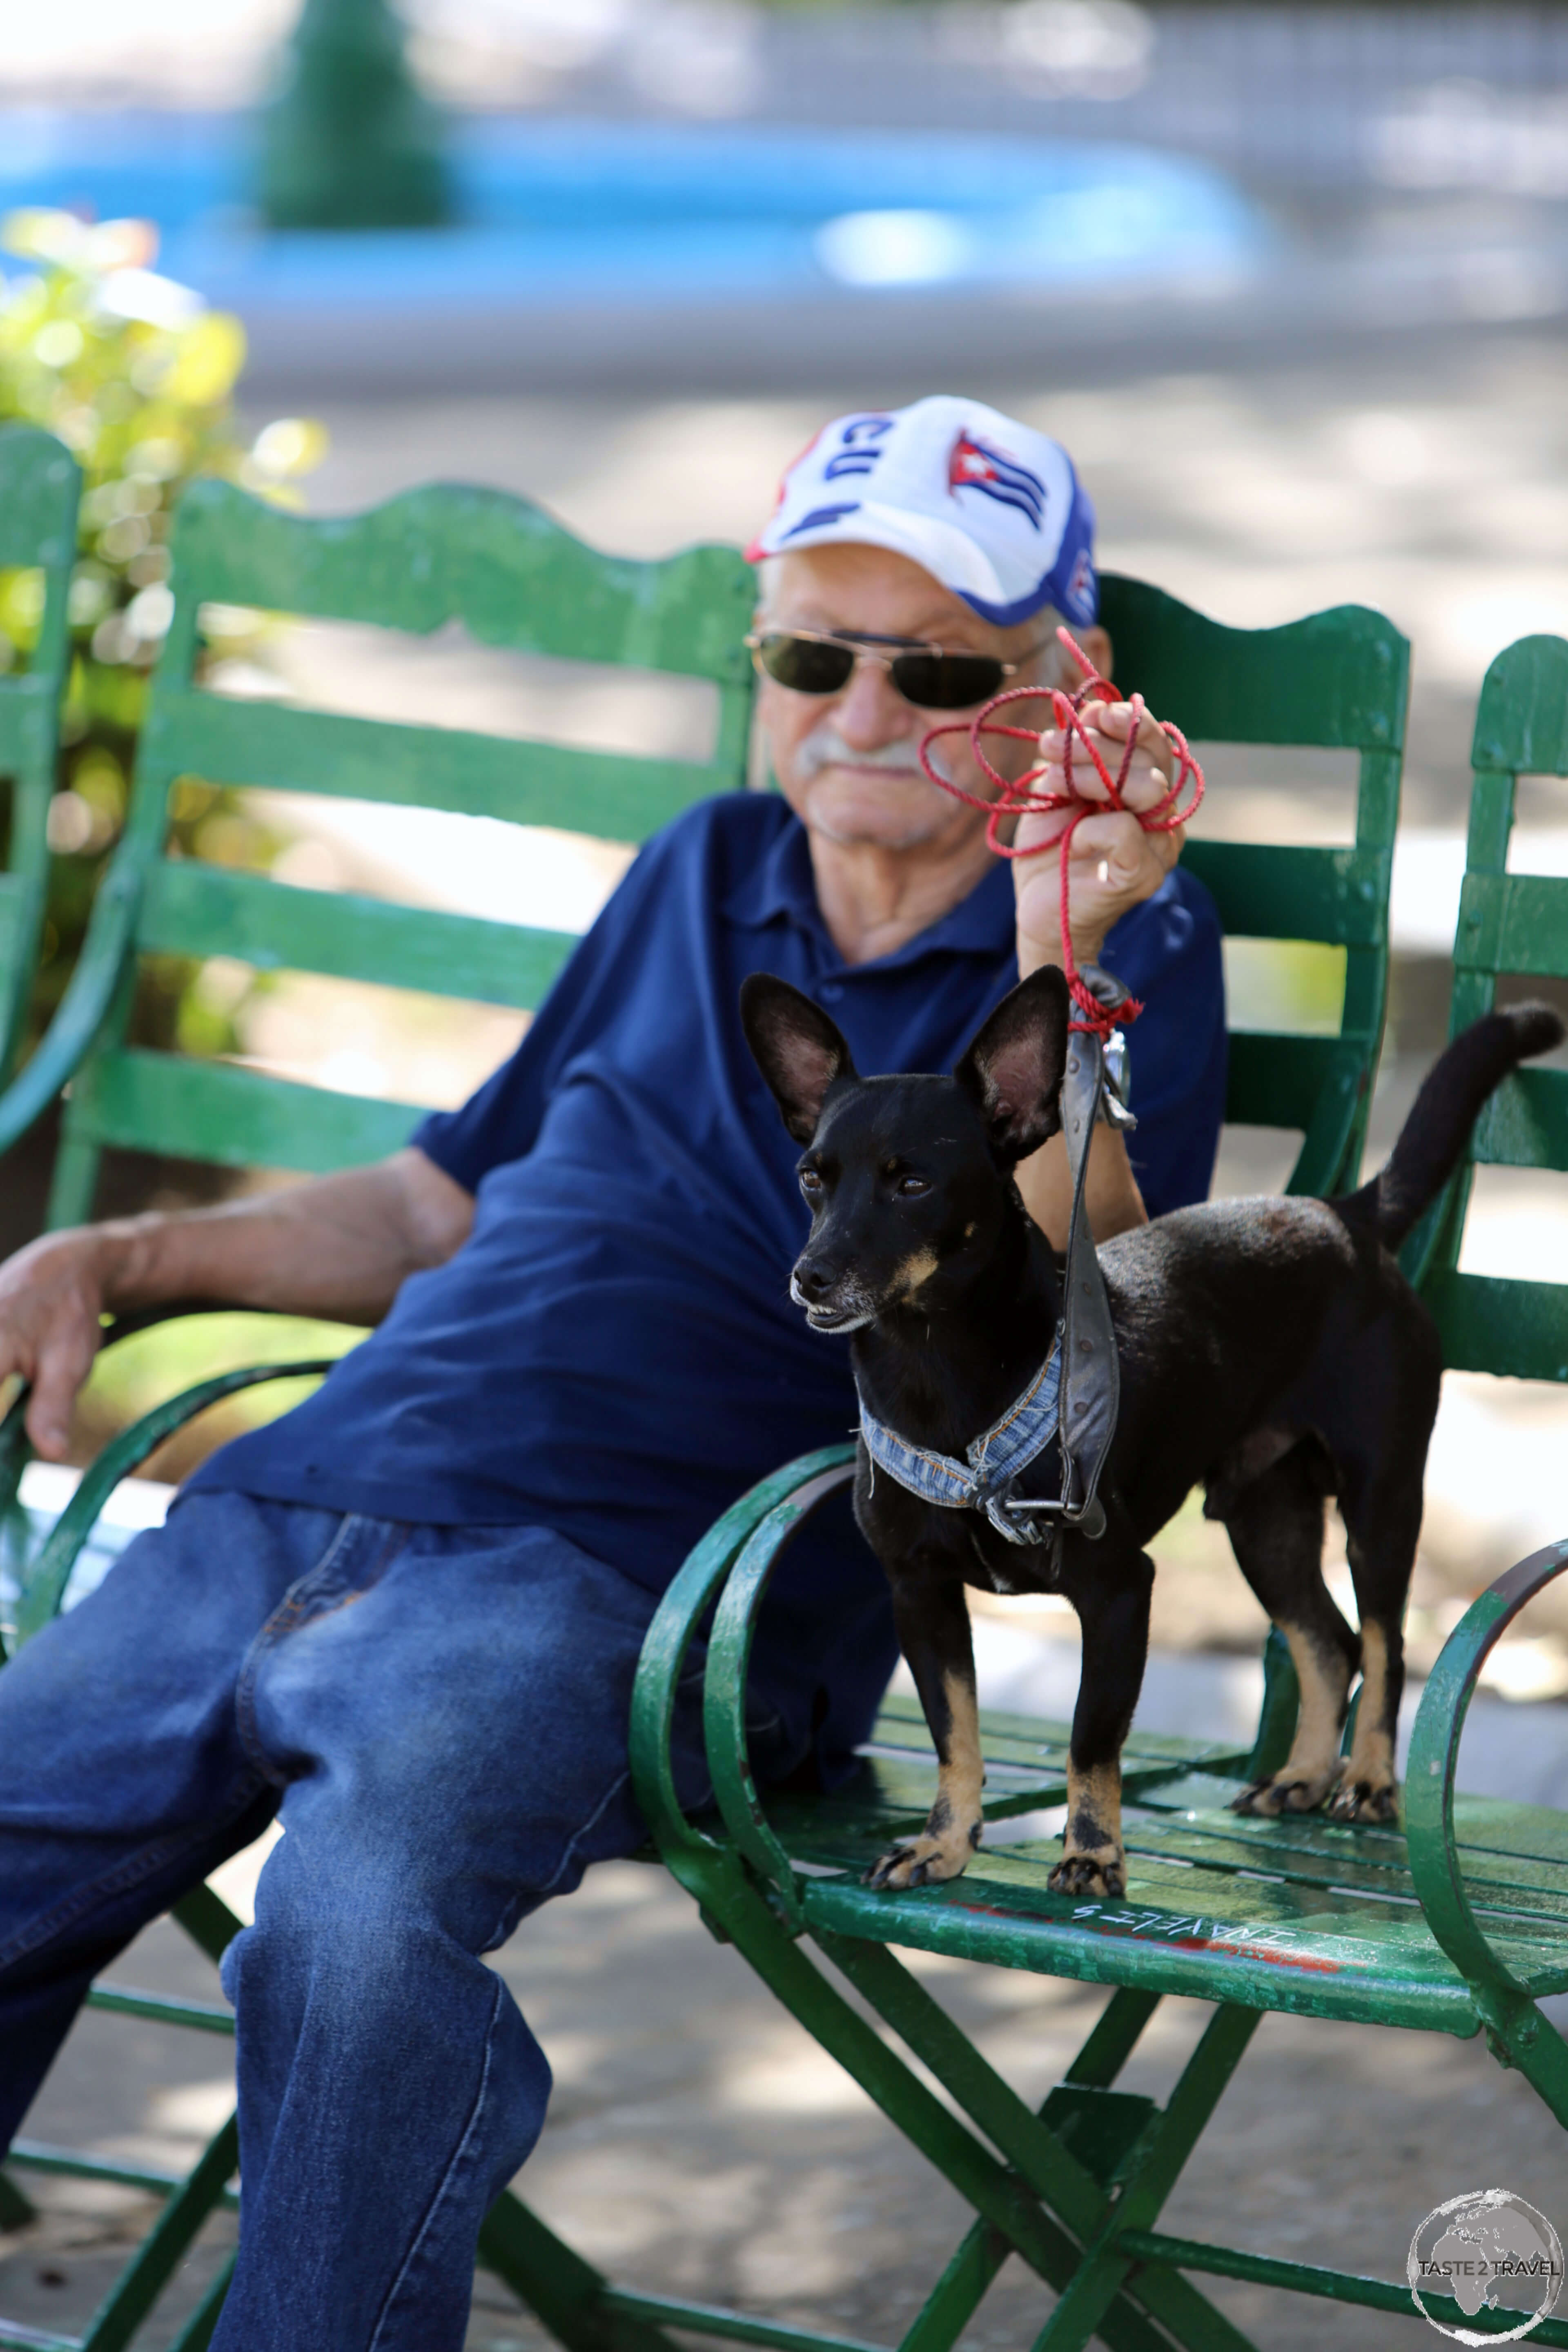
{"points": [[924, 1859], [1102, 1870], [1365, 1800], [1284, 1793]]}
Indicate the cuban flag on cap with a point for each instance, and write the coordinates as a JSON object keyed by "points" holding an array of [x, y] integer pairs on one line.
{"points": [[988, 507]]}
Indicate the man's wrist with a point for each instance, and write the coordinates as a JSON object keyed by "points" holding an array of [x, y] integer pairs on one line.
{"points": [[1034, 953], [127, 1260]]}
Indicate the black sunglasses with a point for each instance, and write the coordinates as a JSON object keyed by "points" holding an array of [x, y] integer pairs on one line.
{"points": [[812, 661]]}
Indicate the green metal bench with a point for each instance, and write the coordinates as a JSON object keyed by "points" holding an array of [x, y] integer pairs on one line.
{"points": [[516, 580], [40, 485]]}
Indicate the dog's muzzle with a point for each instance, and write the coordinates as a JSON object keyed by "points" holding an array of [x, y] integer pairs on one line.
{"points": [[831, 1302]]}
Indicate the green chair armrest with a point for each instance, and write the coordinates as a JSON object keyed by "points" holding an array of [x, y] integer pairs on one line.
{"points": [[50, 1571], [673, 1631], [728, 1657], [1434, 1762], [88, 999]]}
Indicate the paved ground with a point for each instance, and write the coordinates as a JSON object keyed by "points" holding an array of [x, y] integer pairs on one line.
{"points": [[699, 2145]]}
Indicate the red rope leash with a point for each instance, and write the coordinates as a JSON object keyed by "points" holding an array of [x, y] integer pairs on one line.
{"points": [[1017, 798]]}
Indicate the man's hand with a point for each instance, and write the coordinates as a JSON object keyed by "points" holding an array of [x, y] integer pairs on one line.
{"points": [[51, 1296], [339, 1248], [1113, 865]]}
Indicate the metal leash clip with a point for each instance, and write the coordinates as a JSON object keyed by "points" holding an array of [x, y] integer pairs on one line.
{"points": [[1115, 1105]]}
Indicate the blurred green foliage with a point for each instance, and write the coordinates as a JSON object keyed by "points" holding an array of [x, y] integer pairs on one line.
{"points": [[136, 376]]}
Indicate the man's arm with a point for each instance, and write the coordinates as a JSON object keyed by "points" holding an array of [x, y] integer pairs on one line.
{"points": [[337, 1247], [1113, 866]]}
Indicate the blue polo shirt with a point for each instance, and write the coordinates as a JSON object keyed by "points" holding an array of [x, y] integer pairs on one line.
{"points": [[612, 1353]]}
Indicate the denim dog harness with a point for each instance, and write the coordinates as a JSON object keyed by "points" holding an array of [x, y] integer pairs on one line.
{"points": [[983, 1480]]}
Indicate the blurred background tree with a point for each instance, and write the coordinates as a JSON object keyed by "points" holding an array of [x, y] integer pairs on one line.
{"points": [[136, 375], [351, 141]]}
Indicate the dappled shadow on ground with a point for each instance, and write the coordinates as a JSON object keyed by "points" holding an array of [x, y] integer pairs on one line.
{"points": [[699, 2145]]}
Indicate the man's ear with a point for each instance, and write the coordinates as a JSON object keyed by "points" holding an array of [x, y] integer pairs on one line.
{"points": [[1096, 642], [796, 1048], [1013, 1069]]}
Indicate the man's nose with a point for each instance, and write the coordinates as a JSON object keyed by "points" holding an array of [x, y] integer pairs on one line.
{"points": [[871, 713]]}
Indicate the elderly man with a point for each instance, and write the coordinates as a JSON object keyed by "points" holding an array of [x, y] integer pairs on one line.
{"points": [[404, 1619]]}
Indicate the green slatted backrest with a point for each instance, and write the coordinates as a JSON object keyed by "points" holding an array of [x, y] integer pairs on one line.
{"points": [[516, 580], [1338, 680], [40, 487], [1508, 923]]}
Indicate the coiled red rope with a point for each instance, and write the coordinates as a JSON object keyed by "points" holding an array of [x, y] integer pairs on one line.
{"points": [[1017, 797]]}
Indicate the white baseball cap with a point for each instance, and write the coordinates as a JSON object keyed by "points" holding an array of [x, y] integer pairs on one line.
{"points": [[990, 509]]}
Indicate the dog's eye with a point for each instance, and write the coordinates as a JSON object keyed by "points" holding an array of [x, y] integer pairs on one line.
{"points": [[912, 1187], [810, 1182]]}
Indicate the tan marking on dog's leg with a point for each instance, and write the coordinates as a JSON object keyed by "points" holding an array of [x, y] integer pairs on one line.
{"points": [[1312, 1766], [953, 1825], [1093, 1862], [1366, 1789]]}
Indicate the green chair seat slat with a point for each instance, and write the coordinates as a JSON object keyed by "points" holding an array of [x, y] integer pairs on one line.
{"points": [[443, 552], [1513, 922], [1336, 679], [234, 1116], [1209, 1934], [207, 910], [1338, 895], [1490, 1324], [287, 749], [1525, 1124], [1367, 1862], [1326, 1925]]}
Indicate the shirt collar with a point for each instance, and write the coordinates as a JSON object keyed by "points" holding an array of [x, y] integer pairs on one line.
{"points": [[781, 887]]}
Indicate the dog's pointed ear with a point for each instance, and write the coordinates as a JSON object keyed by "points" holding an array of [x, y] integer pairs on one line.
{"points": [[795, 1046], [1013, 1069]]}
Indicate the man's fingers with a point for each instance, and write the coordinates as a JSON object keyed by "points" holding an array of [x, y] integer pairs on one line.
{"points": [[1040, 830], [1116, 836], [1153, 765], [64, 1363]]}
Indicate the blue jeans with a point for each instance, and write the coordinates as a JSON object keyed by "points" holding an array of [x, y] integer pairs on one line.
{"points": [[438, 1718]]}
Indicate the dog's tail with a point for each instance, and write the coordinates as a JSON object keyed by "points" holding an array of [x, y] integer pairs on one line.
{"points": [[1443, 1114]]}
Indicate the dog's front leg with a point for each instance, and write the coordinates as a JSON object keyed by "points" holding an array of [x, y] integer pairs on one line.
{"points": [[932, 1619], [1112, 1604]]}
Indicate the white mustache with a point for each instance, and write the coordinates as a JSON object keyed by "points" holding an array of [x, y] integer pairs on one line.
{"points": [[825, 748]]}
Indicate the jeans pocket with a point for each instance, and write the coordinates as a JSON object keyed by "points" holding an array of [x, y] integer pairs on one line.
{"points": [[358, 1554]]}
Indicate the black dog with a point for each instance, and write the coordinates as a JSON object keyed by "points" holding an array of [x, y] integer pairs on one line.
{"points": [[1268, 1349]]}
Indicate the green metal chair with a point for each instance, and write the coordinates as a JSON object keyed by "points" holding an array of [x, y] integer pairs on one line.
{"points": [[517, 579], [1508, 923], [434, 555], [40, 485], [1457, 1924], [1338, 681]]}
